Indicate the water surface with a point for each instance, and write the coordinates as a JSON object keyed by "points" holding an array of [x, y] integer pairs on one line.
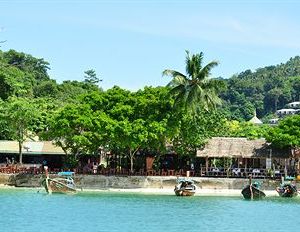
{"points": [[29, 210]]}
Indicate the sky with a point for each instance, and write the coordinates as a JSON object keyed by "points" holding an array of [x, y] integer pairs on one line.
{"points": [[129, 43]]}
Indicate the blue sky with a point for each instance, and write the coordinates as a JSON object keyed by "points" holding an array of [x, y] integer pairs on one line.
{"points": [[130, 43]]}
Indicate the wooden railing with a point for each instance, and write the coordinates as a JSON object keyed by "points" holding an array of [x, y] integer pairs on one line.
{"points": [[202, 172]]}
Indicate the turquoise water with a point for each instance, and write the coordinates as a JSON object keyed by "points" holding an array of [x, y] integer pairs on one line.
{"points": [[28, 210]]}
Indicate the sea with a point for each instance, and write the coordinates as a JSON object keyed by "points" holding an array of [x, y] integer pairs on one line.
{"points": [[23, 210]]}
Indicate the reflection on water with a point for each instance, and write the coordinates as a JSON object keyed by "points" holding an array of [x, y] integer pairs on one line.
{"points": [[29, 210]]}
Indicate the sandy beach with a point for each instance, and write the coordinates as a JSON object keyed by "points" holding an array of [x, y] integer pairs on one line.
{"points": [[156, 191], [170, 191]]}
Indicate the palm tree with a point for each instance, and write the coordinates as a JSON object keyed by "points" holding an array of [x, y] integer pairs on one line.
{"points": [[194, 90]]}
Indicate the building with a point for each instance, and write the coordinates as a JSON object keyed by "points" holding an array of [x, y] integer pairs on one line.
{"points": [[284, 112], [245, 155], [294, 105], [33, 152], [273, 121]]}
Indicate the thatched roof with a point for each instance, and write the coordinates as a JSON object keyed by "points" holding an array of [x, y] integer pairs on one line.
{"points": [[31, 148], [240, 147]]}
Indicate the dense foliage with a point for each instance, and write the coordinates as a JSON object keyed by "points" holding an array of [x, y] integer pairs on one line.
{"points": [[82, 118], [286, 134], [266, 90]]}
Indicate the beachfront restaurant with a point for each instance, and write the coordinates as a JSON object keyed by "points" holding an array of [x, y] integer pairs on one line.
{"points": [[35, 155], [240, 157]]}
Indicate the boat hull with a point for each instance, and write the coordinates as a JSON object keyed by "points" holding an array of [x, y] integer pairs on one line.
{"points": [[180, 192], [256, 193], [292, 191], [58, 186]]}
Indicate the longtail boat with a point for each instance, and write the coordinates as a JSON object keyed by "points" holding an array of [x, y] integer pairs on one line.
{"points": [[287, 190], [62, 184], [252, 190], [185, 187]]}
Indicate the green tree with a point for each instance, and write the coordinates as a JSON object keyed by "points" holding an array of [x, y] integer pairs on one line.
{"points": [[70, 91], [274, 95], [194, 90], [245, 129], [46, 89], [194, 131], [286, 134], [14, 82], [90, 77], [140, 120], [20, 116], [27, 63], [71, 129]]}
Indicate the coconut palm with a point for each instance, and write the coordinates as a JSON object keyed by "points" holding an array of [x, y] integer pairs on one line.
{"points": [[194, 90]]}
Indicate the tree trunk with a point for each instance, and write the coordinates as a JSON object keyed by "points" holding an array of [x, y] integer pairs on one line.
{"points": [[131, 156], [20, 152], [131, 163]]}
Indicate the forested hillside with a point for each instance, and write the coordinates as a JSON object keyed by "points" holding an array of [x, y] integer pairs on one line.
{"points": [[266, 90], [23, 75]]}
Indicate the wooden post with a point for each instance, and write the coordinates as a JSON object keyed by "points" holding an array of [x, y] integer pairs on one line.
{"points": [[250, 186], [250, 179], [48, 188], [46, 171], [285, 169], [246, 166], [206, 165]]}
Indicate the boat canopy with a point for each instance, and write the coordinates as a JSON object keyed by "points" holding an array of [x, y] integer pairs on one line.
{"points": [[180, 180], [65, 173]]}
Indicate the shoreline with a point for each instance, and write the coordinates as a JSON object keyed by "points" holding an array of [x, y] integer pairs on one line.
{"points": [[151, 191], [170, 191]]}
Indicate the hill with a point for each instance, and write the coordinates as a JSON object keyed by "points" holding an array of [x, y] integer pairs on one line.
{"points": [[266, 90]]}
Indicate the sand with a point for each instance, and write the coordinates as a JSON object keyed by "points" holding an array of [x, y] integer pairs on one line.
{"points": [[158, 191], [170, 191]]}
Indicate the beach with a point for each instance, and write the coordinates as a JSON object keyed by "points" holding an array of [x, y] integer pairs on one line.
{"points": [[158, 185], [170, 191], [153, 191]]}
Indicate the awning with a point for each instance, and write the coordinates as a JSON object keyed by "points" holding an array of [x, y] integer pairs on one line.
{"points": [[31, 148]]}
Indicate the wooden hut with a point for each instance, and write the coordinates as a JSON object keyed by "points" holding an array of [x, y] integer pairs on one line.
{"points": [[246, 155]]}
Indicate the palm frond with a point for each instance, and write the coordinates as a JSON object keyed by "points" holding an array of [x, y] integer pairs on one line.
{"points": [[172, 73], [194, 96], [194, 91], [178, 81], [180, 100], [211, 100], [193, 64], [205, 71], [177, 89]]}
